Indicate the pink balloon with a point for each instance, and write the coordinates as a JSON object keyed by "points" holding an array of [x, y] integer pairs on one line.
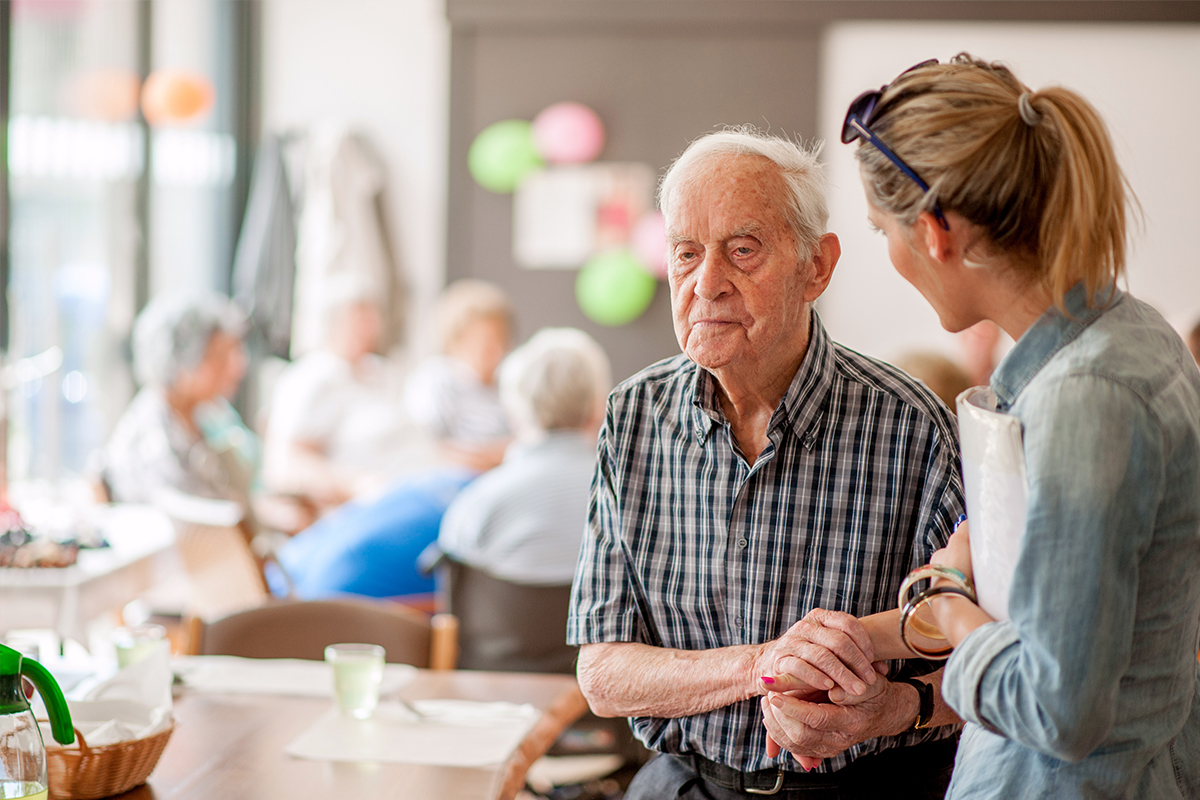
{"points": [[649, 242], [568, 133]]}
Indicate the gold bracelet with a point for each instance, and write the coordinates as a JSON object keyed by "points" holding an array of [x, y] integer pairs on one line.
{"points": [[910, 609], [934, 571]]}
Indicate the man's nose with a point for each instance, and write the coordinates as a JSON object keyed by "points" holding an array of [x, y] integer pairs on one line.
{"points": [[712, 278]]}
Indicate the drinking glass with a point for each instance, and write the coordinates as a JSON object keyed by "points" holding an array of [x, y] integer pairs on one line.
{"points": [[135, 643], [357, 675]]}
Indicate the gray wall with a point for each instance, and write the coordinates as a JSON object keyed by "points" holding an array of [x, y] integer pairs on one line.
{"points": [[659, 73]]}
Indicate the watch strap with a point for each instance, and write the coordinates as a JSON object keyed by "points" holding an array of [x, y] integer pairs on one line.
{"points": [[925, 691]]}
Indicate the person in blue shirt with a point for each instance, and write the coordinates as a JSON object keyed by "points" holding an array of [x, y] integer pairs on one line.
{"points": [[1003, 203]]}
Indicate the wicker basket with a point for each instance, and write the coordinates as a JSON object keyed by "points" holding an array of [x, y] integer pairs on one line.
{"points": [[86, 772]]}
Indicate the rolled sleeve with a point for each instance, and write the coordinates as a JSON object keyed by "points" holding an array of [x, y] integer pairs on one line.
{"points": [[968, 668]]}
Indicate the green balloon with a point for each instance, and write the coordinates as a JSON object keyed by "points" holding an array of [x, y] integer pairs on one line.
{"points": [[503, 154], [614, 288]]}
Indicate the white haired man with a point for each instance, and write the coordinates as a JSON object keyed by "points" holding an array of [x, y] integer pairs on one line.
{"points": [[762, 476]]}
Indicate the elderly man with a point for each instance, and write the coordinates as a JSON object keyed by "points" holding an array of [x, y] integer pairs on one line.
{"points": [[764, 475]]}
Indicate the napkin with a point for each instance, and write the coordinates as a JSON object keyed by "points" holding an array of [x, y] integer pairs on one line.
{"points": [[456, 733], [133, 704], [287, 676]]}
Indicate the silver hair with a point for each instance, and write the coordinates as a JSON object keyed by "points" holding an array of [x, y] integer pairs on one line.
{"points": [[804, 206], [558, 379], [172, 333]]}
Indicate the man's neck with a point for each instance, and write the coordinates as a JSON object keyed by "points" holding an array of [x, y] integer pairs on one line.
{"points": [[749, 395]]}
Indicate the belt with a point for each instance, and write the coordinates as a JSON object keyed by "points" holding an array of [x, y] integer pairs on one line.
{"points": [[914, 760]]}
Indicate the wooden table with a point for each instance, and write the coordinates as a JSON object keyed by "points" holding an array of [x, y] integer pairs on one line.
{"points": [[67, 598], [231, 746]]}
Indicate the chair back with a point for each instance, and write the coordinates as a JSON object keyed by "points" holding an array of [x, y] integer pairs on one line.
{"points": [[303, 629], [223, 573], [508, 626]]}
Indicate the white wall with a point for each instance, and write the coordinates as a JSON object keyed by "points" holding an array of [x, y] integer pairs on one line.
{"points": [[383, 66], [1143, 79]]}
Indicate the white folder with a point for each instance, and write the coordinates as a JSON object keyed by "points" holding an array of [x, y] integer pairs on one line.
{"points": [[997, 489]]}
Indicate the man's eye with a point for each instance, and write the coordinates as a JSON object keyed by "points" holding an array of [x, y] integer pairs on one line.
{"points": [[743, 251]]}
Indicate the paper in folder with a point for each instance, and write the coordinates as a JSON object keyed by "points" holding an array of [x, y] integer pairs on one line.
{"points": [[993, 462]]}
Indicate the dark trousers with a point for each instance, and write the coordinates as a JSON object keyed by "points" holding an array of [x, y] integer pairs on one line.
{"points": [[921, 772]]}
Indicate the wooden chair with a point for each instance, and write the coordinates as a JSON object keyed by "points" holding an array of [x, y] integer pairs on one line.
{"points": [[302, 629], [506, 626], [223, 572]]}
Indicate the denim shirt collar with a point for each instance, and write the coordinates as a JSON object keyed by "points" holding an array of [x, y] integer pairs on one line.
{"points": [[803, 404], [1052, 331]]}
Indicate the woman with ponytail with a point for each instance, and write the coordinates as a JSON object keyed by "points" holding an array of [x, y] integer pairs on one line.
{"points": [[1006, 204]]}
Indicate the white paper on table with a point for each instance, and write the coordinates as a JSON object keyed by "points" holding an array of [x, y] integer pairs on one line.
{"points": [[996, 488], [455, 733], [285, 676]]}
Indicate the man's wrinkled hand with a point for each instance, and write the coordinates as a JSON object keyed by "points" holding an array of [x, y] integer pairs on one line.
{"points": [[827, 650], [814, 731]]}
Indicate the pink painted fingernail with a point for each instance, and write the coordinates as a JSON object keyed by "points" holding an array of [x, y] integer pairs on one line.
{"points": [[766, 679]]}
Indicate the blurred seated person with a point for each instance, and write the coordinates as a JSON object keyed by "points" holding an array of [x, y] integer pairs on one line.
{"points": [[944, 378], [369, 547], [453, 394], [513, 536], [336, 426], [188, 358]]}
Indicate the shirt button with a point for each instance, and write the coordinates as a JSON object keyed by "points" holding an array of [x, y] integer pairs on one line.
{"points": [[743, 542], [738, 622]]}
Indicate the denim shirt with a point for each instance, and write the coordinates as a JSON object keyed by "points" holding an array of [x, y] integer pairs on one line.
{"points": [[1090, 691]]}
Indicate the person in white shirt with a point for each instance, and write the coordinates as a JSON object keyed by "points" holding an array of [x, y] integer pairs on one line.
{"points": [[337, 426], [453, 395], [523, 521]]}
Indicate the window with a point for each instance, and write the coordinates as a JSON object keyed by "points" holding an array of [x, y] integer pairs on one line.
{"points": [[106, 210]]}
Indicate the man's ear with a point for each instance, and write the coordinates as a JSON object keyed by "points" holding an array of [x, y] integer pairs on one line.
{"points": [[939, 243], [828, 251]]}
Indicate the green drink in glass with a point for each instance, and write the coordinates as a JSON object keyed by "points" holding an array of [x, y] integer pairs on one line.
{"points": [[357, 675]]}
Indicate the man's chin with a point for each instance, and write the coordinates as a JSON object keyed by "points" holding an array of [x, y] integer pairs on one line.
{"points": [[711, 358]]}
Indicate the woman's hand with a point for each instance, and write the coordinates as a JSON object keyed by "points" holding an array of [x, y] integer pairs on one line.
{"points": [[955, 616], [957, 552]]}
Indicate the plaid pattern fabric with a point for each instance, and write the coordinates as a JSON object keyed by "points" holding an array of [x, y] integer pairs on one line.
{"points": [[688, 547]]}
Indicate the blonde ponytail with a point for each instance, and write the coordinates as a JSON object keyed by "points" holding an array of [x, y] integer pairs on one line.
{"points": [[1083, 222], [1035, 171]]}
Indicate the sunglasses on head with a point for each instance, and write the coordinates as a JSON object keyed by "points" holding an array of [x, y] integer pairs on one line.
{"points": [[857, 126]]}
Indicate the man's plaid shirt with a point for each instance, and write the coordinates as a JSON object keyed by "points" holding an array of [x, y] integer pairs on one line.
{"points": [[688, 547]]}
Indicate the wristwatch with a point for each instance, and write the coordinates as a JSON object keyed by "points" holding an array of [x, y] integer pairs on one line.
{"points": [[925, 691]]}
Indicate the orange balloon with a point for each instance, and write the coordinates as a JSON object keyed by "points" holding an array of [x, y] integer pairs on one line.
{"points": [[174, 96]]}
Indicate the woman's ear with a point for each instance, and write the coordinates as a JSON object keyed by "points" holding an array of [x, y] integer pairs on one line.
{"points": [[939, 242]]}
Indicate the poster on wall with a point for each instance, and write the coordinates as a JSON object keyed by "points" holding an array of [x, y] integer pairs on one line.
{"points": [[562, 216]]}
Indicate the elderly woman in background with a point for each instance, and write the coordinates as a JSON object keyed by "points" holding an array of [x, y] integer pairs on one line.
{"points": [[453, 395], [180, 445], [523, 520]]}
